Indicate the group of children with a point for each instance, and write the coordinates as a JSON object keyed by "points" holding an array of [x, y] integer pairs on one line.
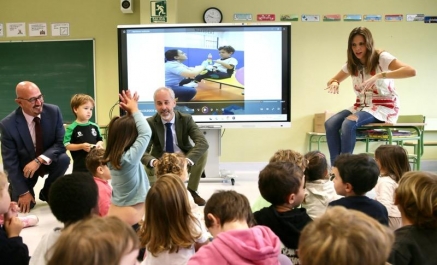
{"points": [[291, 223]]}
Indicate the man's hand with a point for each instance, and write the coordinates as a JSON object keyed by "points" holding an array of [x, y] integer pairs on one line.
{"points": [[13, 227], [30, 169], [24, 202]]}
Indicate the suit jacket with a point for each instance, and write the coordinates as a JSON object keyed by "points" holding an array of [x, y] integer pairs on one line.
{"points": [[17, 146], [185, 128]]}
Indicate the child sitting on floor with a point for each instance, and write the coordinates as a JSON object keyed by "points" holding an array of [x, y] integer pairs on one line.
{"points": [[229, 219], [354, 176], [97, 240], [175, 163], [319, 190], [101, 175], [393, 162], [12, 249], [345, 237], [416, 240], [170, 232], [281, 184], [282, 155], [73, 198]]}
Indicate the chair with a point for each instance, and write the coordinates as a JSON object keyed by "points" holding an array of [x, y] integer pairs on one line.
{"points": [[408, 128]]}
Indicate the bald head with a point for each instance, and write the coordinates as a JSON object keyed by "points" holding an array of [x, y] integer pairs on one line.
{"points": [[29, 98], [23, 88]]}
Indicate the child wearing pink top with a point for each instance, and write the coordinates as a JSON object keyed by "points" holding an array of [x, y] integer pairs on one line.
{"points": [[101, 174]]}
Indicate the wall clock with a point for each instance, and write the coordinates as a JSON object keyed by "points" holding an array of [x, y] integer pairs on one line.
{"points": [[212, 15]]}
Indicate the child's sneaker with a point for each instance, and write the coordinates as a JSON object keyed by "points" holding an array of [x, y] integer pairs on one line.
{"points": [[29, 220], [191, 84]]}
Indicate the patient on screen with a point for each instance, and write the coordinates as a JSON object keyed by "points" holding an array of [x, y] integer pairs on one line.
{"points": [[222, 68]]}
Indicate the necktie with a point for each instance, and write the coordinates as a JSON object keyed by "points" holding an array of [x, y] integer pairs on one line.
{"points": [[38, 144], [168, 138], [38, 137]]}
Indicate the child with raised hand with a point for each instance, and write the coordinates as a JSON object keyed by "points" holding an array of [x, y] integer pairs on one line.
{"points": [[345, 237], [128, 137], [416, 240], [229, 219], [170, 233], [73, 198], [282, 155], [319, 190], [282, 184], [98, 240], [12, 249], [101, 175], [82, 135], [175, 163], [354, 176], [393, 162]]}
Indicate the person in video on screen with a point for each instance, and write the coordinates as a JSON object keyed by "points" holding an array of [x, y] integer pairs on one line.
{"points": [[178, 76], [223, 67], [372, 72], [31, 144]]}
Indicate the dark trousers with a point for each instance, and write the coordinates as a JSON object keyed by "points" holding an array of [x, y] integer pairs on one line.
{"points": [[215, 75], [55, 170]]}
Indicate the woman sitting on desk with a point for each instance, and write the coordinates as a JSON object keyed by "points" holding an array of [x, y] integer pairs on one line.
{"points": [[372, 73], [178, 76]]}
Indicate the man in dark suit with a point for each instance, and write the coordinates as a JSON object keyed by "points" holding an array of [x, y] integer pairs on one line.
{"points": [[31, 143], [183, 128]]}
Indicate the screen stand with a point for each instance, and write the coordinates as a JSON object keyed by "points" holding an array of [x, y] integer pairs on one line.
{"points": [[212, 168]]}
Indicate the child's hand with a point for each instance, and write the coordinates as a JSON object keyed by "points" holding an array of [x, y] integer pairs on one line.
{"points": [[99, 145], [129, 102], [86, 147], [12, 211], [13, 227]]}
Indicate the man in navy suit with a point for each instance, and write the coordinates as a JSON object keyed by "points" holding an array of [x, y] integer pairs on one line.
{"points": [[19, 145]]}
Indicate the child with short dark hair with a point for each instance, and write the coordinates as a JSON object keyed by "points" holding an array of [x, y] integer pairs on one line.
{"points": [[319, 190], [229, 219], [223, 67], [73, 198], [12, 249], [416, 240], [282, 155], [345, 237], [101, 174], [393, 162], [82, 135], [354, 176], [97, 240], [282, 184]]}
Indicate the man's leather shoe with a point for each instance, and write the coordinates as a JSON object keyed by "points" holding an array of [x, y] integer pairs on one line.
{"points": [[197, 199]]}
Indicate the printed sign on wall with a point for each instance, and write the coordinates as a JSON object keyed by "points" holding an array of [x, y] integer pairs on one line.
{"points": [[158, 11], [16, 29], [1, 30], [265, 17], [61, 29], [37, 29]]}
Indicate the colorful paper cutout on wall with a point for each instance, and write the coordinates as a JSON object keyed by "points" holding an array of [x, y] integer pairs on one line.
{"points": [[351, 17], [394, 18], [289, 17], [372, 18], [332, 17]]}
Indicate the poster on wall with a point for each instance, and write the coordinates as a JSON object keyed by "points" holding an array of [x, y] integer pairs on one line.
{"points": [[242, 16], [372, 18], [37, 29], [158, 11], [1, 29], [415, 17], [16, 29], [310, 18], [289, 17], [332, 17], [60, 29]]}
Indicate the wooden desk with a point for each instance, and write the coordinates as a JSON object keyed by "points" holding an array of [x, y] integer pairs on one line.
{"points": [[389, 127]]}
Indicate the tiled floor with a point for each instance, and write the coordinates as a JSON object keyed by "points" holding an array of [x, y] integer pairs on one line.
{"points": [[246, 183]]}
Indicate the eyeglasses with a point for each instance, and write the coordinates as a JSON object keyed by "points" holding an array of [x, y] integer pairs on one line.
{"points": [[34, 99]]}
